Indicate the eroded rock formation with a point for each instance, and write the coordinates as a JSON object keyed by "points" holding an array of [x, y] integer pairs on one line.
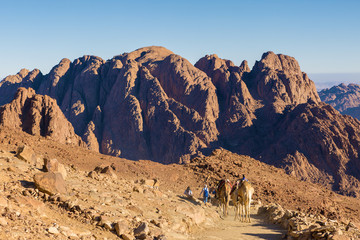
{"points": [[38, 115], [154, 104]]}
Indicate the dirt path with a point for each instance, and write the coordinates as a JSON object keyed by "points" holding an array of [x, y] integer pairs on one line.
{"points": [[228, 229]]}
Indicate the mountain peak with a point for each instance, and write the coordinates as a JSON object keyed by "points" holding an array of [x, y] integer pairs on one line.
{"points": [[279, 62], [146, 54]]}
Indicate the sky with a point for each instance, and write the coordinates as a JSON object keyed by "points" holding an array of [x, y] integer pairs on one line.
{"points": [[323, 35]]}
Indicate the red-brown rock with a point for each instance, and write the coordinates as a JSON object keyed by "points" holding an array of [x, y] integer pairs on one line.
{"points": [[50, 183], [53, 165], [38, 115]]}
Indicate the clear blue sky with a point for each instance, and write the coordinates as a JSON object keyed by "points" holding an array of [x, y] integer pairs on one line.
{"points": [[323, 35]]}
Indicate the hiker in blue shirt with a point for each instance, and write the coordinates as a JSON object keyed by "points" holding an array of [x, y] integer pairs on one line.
{"points": [[205, 192]]}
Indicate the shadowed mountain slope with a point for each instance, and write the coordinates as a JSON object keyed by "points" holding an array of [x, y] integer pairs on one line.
{"points": [[154, 104]]}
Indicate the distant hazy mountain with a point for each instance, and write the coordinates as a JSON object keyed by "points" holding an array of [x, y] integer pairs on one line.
{"points": [[328, 80], [344, 98]]}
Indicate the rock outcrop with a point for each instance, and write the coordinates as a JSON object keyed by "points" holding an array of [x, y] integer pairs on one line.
{"points": [[38, 115], [237, 106], [24, 78], [278, 80], [344, 98], [154, 104], [317, 143]]}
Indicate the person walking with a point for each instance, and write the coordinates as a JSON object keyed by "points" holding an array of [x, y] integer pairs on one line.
{"points": [[205, 193]]}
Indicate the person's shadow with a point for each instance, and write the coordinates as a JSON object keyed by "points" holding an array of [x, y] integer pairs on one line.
{"points": [[190, 199]]}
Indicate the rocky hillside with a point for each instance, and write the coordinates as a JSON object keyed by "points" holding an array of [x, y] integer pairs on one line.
{"points": [[344, 98], [154, 104], [96, 204], [109, 197]]}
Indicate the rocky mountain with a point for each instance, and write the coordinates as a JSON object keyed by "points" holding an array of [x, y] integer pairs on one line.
{"points": [[38, 115], [154, 104], [344, 98]]}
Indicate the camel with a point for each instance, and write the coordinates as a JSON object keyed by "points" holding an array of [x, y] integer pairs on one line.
{"points": [[245, 193], [223, 195], [237, 201]]}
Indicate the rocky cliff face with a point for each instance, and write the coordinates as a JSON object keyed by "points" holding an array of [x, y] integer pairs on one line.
{"points": [[344, 98], [38, 115], [154, 104], [317, 143], [278, 80], [24, 78]]}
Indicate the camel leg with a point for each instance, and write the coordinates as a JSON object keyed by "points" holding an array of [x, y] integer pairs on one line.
{"points": [[236, 211], [242, 213], [239, 211], [223, 209], [247, 212], [227, 205]]}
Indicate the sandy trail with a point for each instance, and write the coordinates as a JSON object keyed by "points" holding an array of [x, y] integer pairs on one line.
{"points": [[228, 229]]}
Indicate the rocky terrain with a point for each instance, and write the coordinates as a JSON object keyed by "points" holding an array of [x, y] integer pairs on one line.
{"points": [[41, 198], [344, 98], [57, 191], [153, 104]]}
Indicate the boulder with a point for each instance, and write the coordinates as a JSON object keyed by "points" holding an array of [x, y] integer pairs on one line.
{"points": [[53, 230], [50, 183], [26, 154], [142, 229], [197, 215], [127, 236], [106, 223], [121, 227], [53, 165], [93, 175], [108, 170], [150, 182]]}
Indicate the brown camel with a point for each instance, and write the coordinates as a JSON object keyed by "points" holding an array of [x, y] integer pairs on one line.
{"points": [[245, 193], [223, 194], [237, 201]]}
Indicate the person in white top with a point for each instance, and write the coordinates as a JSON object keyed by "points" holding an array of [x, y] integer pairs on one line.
{"points": [[188, 192]]}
